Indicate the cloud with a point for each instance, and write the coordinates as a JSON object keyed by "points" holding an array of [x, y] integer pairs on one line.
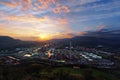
{"points": [[59, 10], [27, 19], [92, 17], [95, 11], [2, 28], [82, 2], [43, 22], [56, 6], [12, 4], [101, 27], [50, 17], [98, 6], [45, 4], [26, 4], [80, 33], [37, 5], [5, 31], [63, 35], [34, 26], [69, 35]]}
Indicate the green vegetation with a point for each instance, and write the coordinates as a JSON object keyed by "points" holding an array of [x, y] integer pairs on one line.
{"points": [[44, 72]]}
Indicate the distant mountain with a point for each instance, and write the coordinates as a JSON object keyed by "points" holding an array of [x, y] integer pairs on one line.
{"points": [[103, 33], [92, 39], [7, 39], [8, 42]]}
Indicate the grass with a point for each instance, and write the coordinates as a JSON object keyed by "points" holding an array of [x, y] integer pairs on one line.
{"points": [[43, 72]]}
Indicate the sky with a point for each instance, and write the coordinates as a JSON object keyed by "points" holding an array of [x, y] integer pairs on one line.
{"points": [[49, 19]]}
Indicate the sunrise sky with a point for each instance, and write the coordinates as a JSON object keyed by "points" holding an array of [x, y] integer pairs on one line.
{"points": [[48, 19]]}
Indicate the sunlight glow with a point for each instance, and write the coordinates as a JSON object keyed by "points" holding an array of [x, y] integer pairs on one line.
{"points": [[44, 37]]}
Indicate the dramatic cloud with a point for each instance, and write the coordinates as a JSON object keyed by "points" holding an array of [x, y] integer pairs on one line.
{"points": [[59, 10], [100, 27], [87, 1], [37, 5], [47, 19], [34, 26], [26, 4], [11, 4]]}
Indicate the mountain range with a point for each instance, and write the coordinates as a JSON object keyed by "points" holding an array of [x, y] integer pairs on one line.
{"points": [[9, 42], [94, 38]]}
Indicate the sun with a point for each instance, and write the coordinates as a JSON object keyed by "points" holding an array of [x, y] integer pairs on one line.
{"points": [[44, 37]]}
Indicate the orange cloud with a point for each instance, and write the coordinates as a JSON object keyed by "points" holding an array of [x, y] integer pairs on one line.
{"points": [[5, 31], [1, 28], [68, 35], [43, 20], [44, 5], [12, 4], [80, 33], [59, 10], [26, 4], [34, 26], [40, 4], [28, 19], [63, 21], [66, 9], [100, 27]]}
